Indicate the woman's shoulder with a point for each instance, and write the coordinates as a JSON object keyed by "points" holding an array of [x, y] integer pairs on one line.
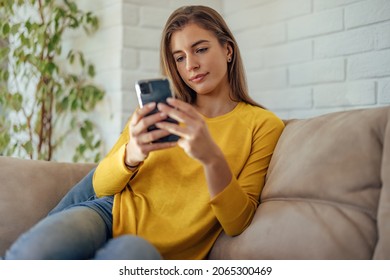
{"points": [[261, 121], [256, 114]]}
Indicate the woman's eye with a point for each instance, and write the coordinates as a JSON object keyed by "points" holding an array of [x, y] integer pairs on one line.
{"points": [[179, 59], [201, 50]]}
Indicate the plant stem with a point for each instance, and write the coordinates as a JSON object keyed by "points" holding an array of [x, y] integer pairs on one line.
{"points": [[49, 122]]}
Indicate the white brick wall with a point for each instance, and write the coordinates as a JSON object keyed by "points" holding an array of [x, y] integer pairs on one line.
{"points": [[303, 57], [367, 12], [124, 50], [369, 65], [335, 53], [315, 24], [384, 91], [318, 71]]}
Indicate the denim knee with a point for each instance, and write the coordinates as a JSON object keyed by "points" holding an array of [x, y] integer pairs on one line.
{"points": [[81, 192], [76, 233], [128, 247]]}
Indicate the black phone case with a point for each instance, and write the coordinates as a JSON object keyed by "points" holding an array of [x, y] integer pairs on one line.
{"points": [[156, 90]]}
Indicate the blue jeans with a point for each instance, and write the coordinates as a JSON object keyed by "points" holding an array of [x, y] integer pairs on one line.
{"points": [[80, 227]]}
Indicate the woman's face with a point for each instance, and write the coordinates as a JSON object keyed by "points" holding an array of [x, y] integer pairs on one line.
{"points": [[200, 59]]}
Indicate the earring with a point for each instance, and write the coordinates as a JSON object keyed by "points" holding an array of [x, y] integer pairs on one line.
{"points": [[229, 59]]}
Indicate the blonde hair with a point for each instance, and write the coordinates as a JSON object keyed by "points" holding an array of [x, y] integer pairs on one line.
{"points": [[209, 19]]}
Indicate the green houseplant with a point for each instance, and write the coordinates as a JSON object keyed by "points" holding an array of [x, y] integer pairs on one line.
{"points": [[45, 94]]}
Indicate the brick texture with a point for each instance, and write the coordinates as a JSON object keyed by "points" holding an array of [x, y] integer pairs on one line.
{"points": [[337, 52], [303, 57]]}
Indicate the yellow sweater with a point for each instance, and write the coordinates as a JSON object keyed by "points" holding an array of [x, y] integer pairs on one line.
{"points": [[166, 201]]}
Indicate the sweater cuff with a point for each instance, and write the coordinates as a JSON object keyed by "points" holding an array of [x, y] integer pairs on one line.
{"points": [[231, 208], [112, 175], [120, 157]]}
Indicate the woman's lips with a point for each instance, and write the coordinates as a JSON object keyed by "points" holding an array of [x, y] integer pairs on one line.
{"points": [[198, 78]]}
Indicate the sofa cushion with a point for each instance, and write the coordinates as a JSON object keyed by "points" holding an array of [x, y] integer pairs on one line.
{"points": [[382, 250], [321, 195], [29, 189]]}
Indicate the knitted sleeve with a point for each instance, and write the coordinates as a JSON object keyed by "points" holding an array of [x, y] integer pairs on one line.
{"points": [[111, 175], [235, 206]]}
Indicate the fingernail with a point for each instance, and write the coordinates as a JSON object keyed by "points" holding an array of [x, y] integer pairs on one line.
{"points": [[151, 104]]}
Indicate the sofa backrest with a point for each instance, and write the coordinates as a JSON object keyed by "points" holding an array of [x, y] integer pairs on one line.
{"points": [[327, 193]]}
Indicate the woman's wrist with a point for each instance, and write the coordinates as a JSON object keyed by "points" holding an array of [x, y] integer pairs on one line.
{"points": [[132, 166]]}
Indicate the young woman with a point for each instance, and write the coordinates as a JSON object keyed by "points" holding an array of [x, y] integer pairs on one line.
{"points": [[172, 200]]}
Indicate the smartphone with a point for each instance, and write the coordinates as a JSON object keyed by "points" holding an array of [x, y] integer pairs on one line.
{"points": [[155, 90]]}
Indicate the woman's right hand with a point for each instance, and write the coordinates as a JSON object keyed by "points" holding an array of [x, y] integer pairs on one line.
{"points": [[140, 143]]}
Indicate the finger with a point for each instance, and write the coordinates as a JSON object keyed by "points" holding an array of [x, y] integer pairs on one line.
{"points": [[173, 129], [148, 121], [142, 112], [150, 147], [175, 114], [161, 145], [147, 138], [183, 106]]}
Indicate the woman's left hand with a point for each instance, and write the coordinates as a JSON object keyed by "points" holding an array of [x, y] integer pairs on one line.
{"points": [[195, 138]]}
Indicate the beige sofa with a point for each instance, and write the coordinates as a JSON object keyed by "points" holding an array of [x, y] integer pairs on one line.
{"points": [[327, 194]]}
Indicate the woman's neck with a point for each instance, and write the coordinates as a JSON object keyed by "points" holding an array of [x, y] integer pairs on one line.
{"points": [[212, 106]]}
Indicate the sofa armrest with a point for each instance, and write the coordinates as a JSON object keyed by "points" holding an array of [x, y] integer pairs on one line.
{"points": [[29, 189]]}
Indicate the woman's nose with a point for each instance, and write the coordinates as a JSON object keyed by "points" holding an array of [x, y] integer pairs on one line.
{"points": [[191, 63]]}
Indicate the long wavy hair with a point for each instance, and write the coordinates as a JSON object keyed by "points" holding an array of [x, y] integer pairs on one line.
{"points": [[211, 20]]}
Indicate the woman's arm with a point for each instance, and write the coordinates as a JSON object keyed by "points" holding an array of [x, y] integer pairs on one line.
{"points": [[134, 144], [233, 200], [236, 205], [112, 175]]}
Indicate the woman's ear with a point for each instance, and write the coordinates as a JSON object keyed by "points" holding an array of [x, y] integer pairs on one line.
{"points": [[229, 52]]}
